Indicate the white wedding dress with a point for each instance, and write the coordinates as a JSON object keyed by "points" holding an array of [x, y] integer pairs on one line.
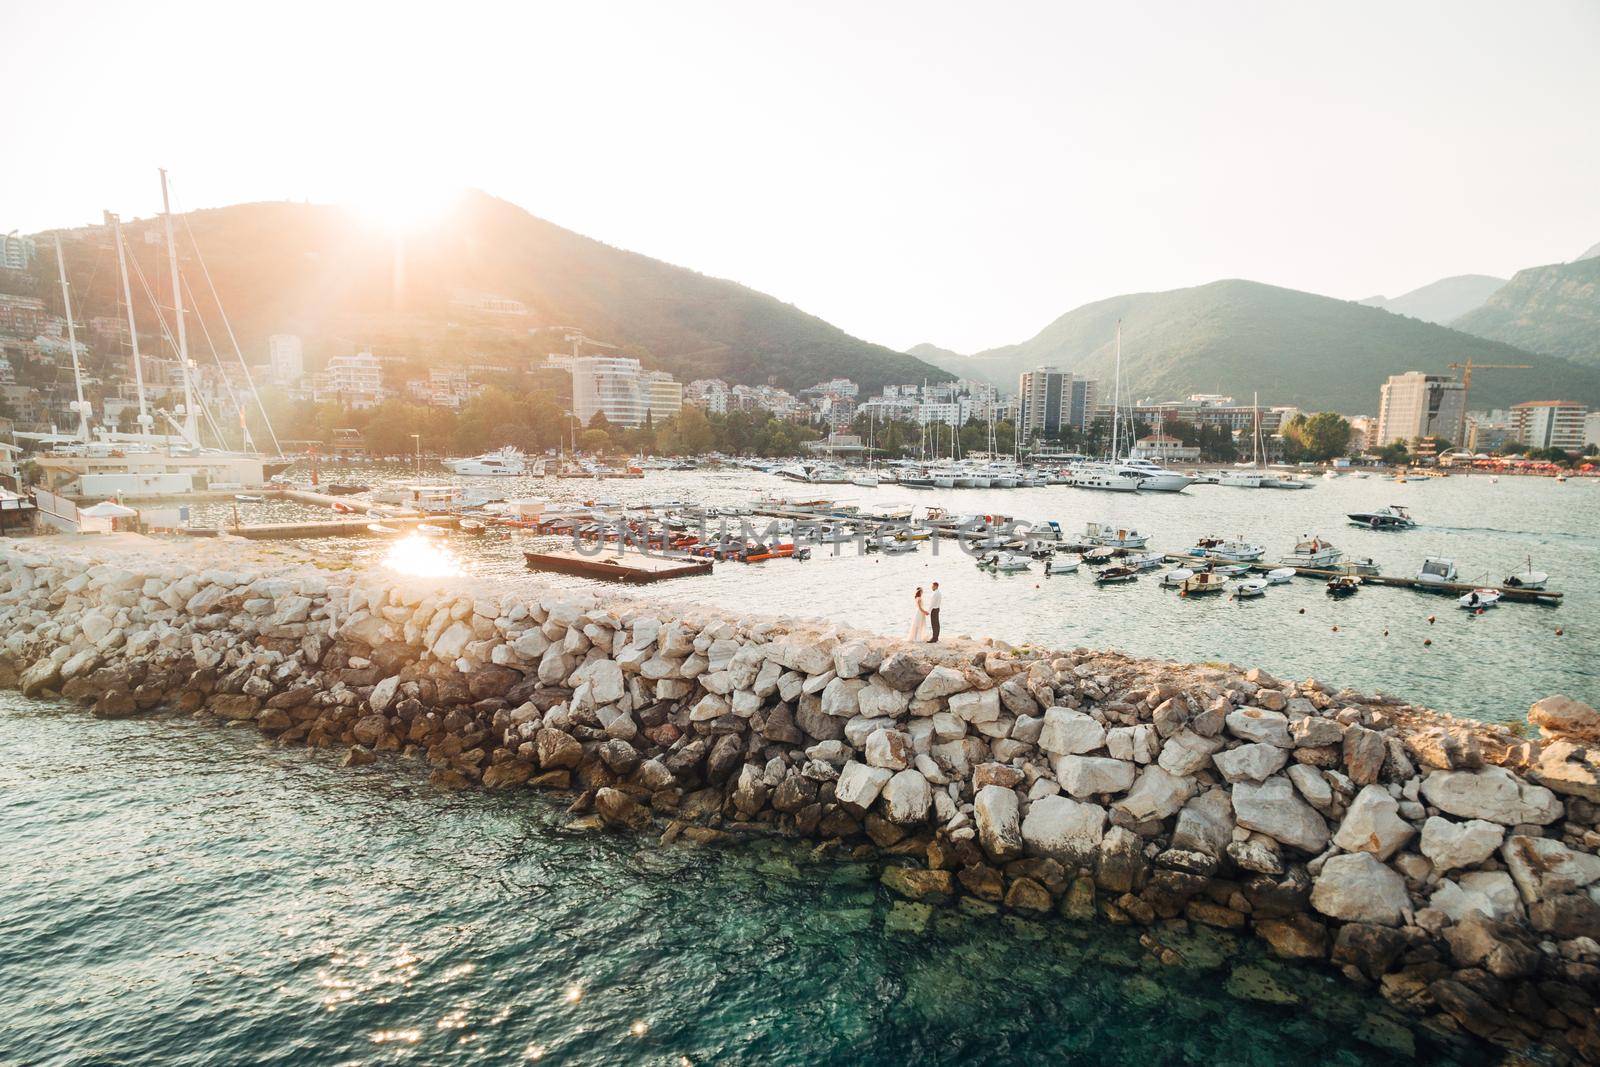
{"points": [[919, 623]]}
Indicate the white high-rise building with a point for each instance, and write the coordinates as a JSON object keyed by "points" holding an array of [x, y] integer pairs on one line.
{"points": [[1413, 405], [286, 363], [1549, 424], [663, 396], [610, 384]]}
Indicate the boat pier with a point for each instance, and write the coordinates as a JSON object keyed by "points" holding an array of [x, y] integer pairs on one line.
{"points": [[629, 566], [1526, 596]]}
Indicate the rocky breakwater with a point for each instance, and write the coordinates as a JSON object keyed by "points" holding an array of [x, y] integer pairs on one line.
{"points": [[1448, 864]]}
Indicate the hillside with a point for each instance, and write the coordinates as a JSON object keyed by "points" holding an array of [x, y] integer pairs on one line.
{"points": [[932, 353], [1443, 300], [1593, 253], [1554, 309], [328, 276], [1238, 337]]}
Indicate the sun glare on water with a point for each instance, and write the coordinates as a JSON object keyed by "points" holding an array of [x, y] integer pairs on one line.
{"points": [[422, 558]]}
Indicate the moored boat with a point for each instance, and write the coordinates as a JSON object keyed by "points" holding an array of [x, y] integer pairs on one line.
{"points": [[1203, 582], [1527, 578], [1280, 575], [1249, 587], [1175, 578], [1437, 571], [1343, 585], [1312, 551], [1111, 575], [1479, 599], [384, 531]]}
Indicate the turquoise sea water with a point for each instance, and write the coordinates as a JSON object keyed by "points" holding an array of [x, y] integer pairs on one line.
{"points": [[179, 893], [1490, 666]]}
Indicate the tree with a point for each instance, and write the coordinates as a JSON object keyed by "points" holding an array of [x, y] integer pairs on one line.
{"points": [[594, 440], [1319, 438], [1394, 453]]}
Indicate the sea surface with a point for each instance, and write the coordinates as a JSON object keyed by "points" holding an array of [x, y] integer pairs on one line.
{"points": [[1420, 646], [182, 893]]}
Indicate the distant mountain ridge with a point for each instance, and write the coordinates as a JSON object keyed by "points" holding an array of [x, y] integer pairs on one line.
{"points": [[1238, 337], [1553, 309], [1443, 300], [319, 271]]}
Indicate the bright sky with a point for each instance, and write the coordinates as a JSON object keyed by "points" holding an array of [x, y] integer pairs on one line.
{"points": [[911, 171]]}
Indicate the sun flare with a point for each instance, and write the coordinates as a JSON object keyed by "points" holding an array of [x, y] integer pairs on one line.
{"points": [[400, 204]]}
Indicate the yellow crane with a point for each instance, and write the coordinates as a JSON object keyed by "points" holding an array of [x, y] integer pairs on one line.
{"points": [[1466, 370]]}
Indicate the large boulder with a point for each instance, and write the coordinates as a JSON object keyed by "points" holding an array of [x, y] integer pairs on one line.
{"points": [[1543, 867], [889, 748], [1069, 732], [907, 798], [1155, 795], [1258, 724], [1372, 824], [1253, 762], [859, 785], [1450, 844], [1087, 776], [1205, 824], [1560, 716], [941, 682], [1065, 830], [1358, 887], [1275, 809], [999, 819], [1493, 793], [1490, 893], [1187, 752]]}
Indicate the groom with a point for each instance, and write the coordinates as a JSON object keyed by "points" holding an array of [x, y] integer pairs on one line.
{"points": [[933, 612]]}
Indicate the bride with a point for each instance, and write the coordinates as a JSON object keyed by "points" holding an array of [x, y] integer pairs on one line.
{"points": [[919, 621]]}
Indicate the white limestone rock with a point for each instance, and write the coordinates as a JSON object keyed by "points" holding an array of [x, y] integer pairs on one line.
{"points": [[1062, 829], [1372, 825], [1543, 867], [889, 748], [1358, 887], [976, 706], [999, 819], [859, 785], [1258, 724], [1186, 752], [1275, 809], [1492, 893], [1155, 795], [1068, 732], [942, 682], [1087, 776], [907, 798], [1450, 845], [1493, 794], [1253, 762]]}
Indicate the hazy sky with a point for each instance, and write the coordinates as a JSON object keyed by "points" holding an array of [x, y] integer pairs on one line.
{"points": [[957, 173]]}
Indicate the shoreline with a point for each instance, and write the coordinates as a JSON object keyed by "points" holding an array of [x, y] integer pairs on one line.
{"points": [[1449, 863]]}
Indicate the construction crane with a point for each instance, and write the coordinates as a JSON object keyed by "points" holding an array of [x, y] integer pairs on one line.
{"points": [[1466, 370]]}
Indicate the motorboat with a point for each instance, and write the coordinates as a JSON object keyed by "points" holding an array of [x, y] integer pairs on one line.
{"points": [[1105, 533], [1240, 479], [1284, 481], [1111, 575], [1479, 599], [1005, 562], [1236, 549], [1227, 570], [1203, 582], [1060, 566], [428, 529], [1100, 556], [1175, 578], [471, 526], [1249, 587], [1312, 551], [1527, 578], [1363, 565], [504, 462], [1280, 575], [248, 498], [865, 479], [1437, 571], [1343, 585], [383, 531], [1393, 517], [897, 548], [345, 489], [1144, 561]]}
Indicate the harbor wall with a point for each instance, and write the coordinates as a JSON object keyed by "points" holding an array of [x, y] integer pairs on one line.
{"points": [[1449, 864]]}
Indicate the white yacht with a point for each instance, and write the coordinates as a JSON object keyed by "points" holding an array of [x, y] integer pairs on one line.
{"points": [[1312, 551], [1153, 477], [1112, 536], [1236, 549], [1105, 478], [507, 462], [1240, 479]]}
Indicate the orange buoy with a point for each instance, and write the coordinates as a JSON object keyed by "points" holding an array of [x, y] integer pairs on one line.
{"points": [[1427, 640], [1559, 631], [1386, 633], [1335, 629], [1430, 620]]}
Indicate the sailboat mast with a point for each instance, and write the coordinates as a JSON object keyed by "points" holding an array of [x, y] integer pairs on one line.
{"points": [[133, 330], [72, 345], [1116, 396], [191, 428]]}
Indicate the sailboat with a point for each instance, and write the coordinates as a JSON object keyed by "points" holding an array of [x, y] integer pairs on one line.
{"points": [[1109, 476], [104, 462]]}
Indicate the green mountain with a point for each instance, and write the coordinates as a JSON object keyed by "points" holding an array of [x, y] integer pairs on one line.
{"points": [[1240, 337], [1554, 309], [1594, 252], [932, 353], [441, 293], [1443, 300]]}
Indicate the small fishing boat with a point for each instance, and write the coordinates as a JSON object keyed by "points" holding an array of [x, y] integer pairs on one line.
{"points": [[1343, 585], [1005, 562], [473, 527], [1227, 570], [1527, 578], [1097, 557], [1362, 565], [1238, 550], [1393, 517], [1203, 582], [428, 529], [1060, 566], [1312, 551], [345, 489], [248, 498], [384, 531], [898, 548], [1249, 587], [1479, 599], [1280, 575], [1105, 533], [1144, 561], [1437, 571], [1112, 575], [1175, 578]]}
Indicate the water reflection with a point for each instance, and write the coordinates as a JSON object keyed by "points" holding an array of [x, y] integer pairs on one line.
{"points": [[422, 558]]}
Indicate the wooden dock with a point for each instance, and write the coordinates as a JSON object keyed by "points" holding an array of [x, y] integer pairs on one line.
{"points": [[631, 567], [356, 526], [1526, 596]]}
